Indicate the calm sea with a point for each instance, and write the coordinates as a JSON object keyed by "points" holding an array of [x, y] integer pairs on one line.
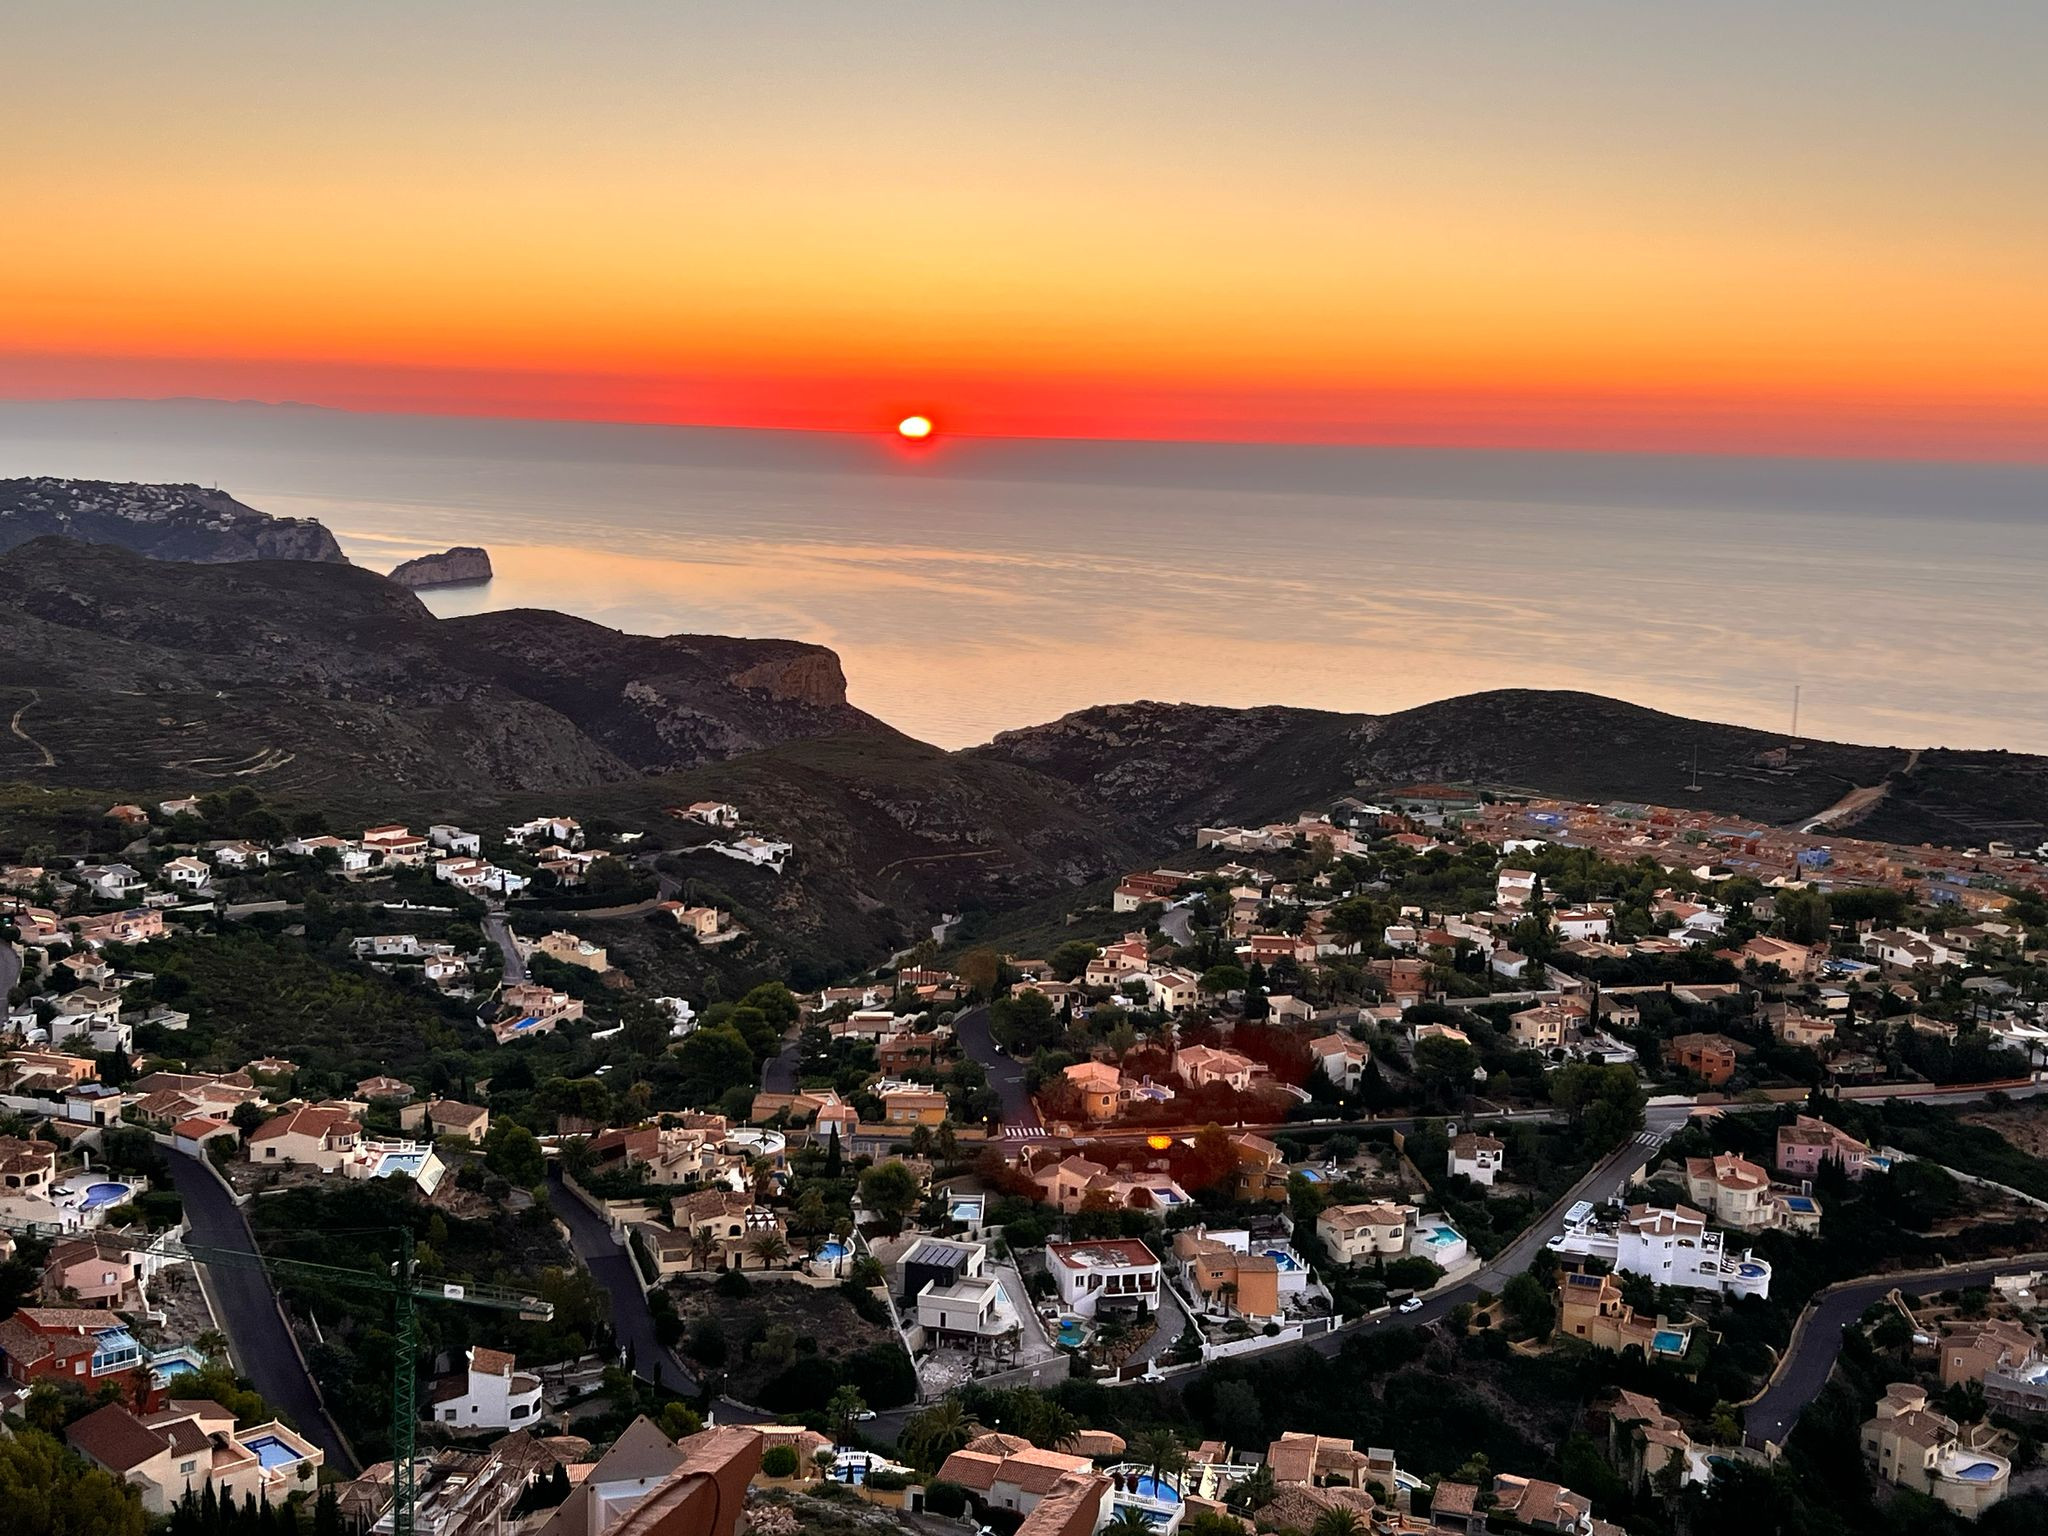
{"points": [[976, 586]]}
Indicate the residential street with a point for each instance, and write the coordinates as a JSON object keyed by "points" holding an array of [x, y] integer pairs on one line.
{"points": [[500, 932], [247, 1309], [1020, 1115], [1812, 1360], [612, 1267]]}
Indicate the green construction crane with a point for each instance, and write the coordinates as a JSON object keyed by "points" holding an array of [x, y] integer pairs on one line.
{"points": [[401, 1284]]}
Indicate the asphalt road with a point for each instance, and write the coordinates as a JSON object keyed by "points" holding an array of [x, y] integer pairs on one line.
{"points": [[500, 932], [612, 1267], [10, 969], [778, 1072], [1806, 1370], [249, 1312], [1004, 1075]]}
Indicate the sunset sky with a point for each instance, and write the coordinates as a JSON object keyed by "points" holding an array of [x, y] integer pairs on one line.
{"points": [[1729, 225]]}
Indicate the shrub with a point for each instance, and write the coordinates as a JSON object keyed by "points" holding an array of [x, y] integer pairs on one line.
{"points": [[888, 1482], [779, 1461], [732, 1285], [948, 1499]]}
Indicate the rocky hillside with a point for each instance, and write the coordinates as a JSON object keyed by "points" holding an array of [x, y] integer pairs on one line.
{"points": [[167, 522], [1165, 769], [304, 677], [463, 566]]}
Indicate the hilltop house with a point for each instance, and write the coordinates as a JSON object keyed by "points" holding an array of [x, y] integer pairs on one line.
{"points": [[1112, 1272], [312, 1136], [1353, 1234], [1478, 1158], [1343, 1060], [491, 1393], [190, 1444]]}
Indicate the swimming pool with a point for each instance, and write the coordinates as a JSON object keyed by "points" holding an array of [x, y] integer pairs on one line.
{"points": [[272, 1452], [1146, 1486], [1072, 1333], [1750, 1271], [97, 1195], [967, 1210], [1668, 1342], [1441, 1237], [1311, 1175], [1978, 1471], [1283, 1258], [832, 1253], [401, 1162]]}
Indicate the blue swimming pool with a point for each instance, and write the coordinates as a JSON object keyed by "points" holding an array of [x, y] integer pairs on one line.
{"points": [[1311, 1175], [401, 1162], [1668, 1342], [1978, 1471], [1072, 1333], [1146, 1486], [1750, 1271], [1441, 1237], [1283, 1258], [967, 1210], [97, 1195], [832, 1253], [272, 1452]]}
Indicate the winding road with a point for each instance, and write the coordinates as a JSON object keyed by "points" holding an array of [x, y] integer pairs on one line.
{"points": [[1818, 1342], [247, 1308]]}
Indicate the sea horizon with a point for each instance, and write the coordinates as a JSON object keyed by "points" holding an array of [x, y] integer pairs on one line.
{"points": [[988, 584]]}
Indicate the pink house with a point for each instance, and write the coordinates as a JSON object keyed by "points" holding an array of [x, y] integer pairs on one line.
{"points": [[1807, 1143]]}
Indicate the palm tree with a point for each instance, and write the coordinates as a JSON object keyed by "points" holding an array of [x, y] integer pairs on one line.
{"points": [[1255, 1491], [1162, 1452], [763, 1173], [1336, 1522], [703, 1248], [1128, 1521], [769, 1247], [937, 1433]]}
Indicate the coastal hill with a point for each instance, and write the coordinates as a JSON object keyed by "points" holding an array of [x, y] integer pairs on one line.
{"points": [[168, 522], [327, 687], [309, 677], [1170, 768]]}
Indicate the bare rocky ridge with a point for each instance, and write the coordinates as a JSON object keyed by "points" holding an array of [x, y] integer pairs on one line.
{"points": [[166, 522], [463, 566], [307, 677]]}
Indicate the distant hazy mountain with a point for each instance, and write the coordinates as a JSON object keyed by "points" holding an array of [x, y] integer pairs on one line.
{"points": [[166, 522]]}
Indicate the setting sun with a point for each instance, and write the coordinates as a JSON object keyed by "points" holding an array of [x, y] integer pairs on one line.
{"points": [[914, 427]]}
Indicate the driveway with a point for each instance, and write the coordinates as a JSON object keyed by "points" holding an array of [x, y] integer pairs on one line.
{"points": [[1173, 1318], [500, 933], [1178, 924], [612, 1267], [778, 1072], [1812, 1359], [1020, 1115], [248, 1311]]}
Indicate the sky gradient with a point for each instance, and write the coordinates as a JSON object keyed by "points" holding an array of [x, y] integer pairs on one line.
{"points": [[1730, 226]]}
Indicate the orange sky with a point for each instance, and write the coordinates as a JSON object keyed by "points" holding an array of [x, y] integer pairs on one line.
{"points": [[1589, 225]]}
